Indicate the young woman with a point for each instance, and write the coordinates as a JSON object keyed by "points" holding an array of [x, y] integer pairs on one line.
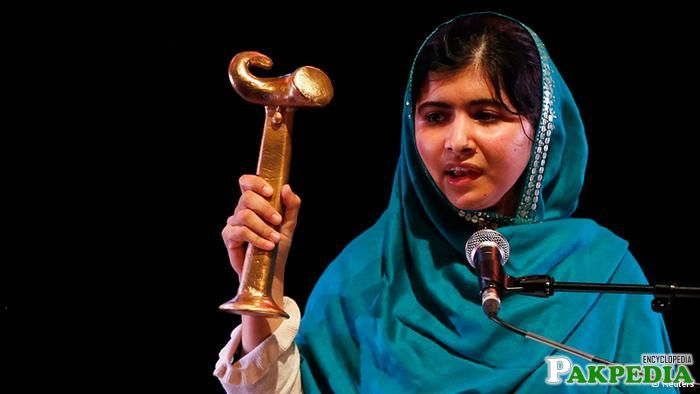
{"points": [[491, 138]]}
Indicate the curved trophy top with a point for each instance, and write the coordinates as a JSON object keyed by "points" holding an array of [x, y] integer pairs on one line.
{"points": [[305, 87]]}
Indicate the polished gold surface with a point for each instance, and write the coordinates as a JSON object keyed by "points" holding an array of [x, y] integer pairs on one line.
{"points": [[305, 87], [313, 84]]}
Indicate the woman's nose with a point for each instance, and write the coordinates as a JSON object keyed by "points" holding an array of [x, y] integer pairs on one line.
{"points": [[458, 138]]}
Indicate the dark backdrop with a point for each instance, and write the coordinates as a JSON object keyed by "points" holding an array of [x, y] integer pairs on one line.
{"points": [[122, 143]]}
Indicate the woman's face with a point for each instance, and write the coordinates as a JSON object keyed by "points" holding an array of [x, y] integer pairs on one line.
{"points": [[474, 149]]}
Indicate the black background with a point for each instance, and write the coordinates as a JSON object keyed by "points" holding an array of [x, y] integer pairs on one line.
{"points": [[122, 143]]}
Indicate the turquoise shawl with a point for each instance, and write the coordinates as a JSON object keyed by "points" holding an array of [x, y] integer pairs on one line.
{"points": [[399, 311]]}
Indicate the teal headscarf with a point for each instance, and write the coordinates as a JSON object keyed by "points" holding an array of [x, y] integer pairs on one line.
{"points": [[399, 311]]}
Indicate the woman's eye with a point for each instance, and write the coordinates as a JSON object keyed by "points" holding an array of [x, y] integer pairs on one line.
{"points": [[486, 116], [435, 117]]}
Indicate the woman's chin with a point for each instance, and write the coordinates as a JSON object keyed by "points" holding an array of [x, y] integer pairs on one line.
{"points": [[465, 205]]}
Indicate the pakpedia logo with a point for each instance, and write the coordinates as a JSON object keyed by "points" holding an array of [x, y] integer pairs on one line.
{"points": [[666, 370]]}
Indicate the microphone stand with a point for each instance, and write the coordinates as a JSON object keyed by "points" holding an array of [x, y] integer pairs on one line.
{"points": [[545, 286]]}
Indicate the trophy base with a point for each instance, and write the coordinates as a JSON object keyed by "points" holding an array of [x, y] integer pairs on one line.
{"points": [[245, 304]]}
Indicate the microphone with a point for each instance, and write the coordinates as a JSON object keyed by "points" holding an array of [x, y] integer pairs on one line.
{"points": [[487, 251]]}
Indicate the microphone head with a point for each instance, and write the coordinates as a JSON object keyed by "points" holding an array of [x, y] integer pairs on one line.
{"points": [[486, 237]]}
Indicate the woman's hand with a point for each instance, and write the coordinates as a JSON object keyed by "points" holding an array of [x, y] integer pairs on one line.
{"points": [[253, 220]]}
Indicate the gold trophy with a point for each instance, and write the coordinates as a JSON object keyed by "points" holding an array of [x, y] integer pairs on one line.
{"points": [[305, 87]]}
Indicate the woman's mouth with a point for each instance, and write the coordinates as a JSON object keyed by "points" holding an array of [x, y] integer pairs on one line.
{"points": [[461, 175]]}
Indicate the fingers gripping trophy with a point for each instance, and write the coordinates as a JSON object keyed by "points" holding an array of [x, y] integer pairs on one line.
{"points": [[306, 87]]}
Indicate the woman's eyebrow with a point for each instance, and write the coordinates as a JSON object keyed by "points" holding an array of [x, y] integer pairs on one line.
{"points": [[473, 103], [439, 104], [485, 102]]}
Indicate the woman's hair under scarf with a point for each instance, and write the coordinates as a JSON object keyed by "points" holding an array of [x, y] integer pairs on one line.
{"points": [[399, 310]]}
